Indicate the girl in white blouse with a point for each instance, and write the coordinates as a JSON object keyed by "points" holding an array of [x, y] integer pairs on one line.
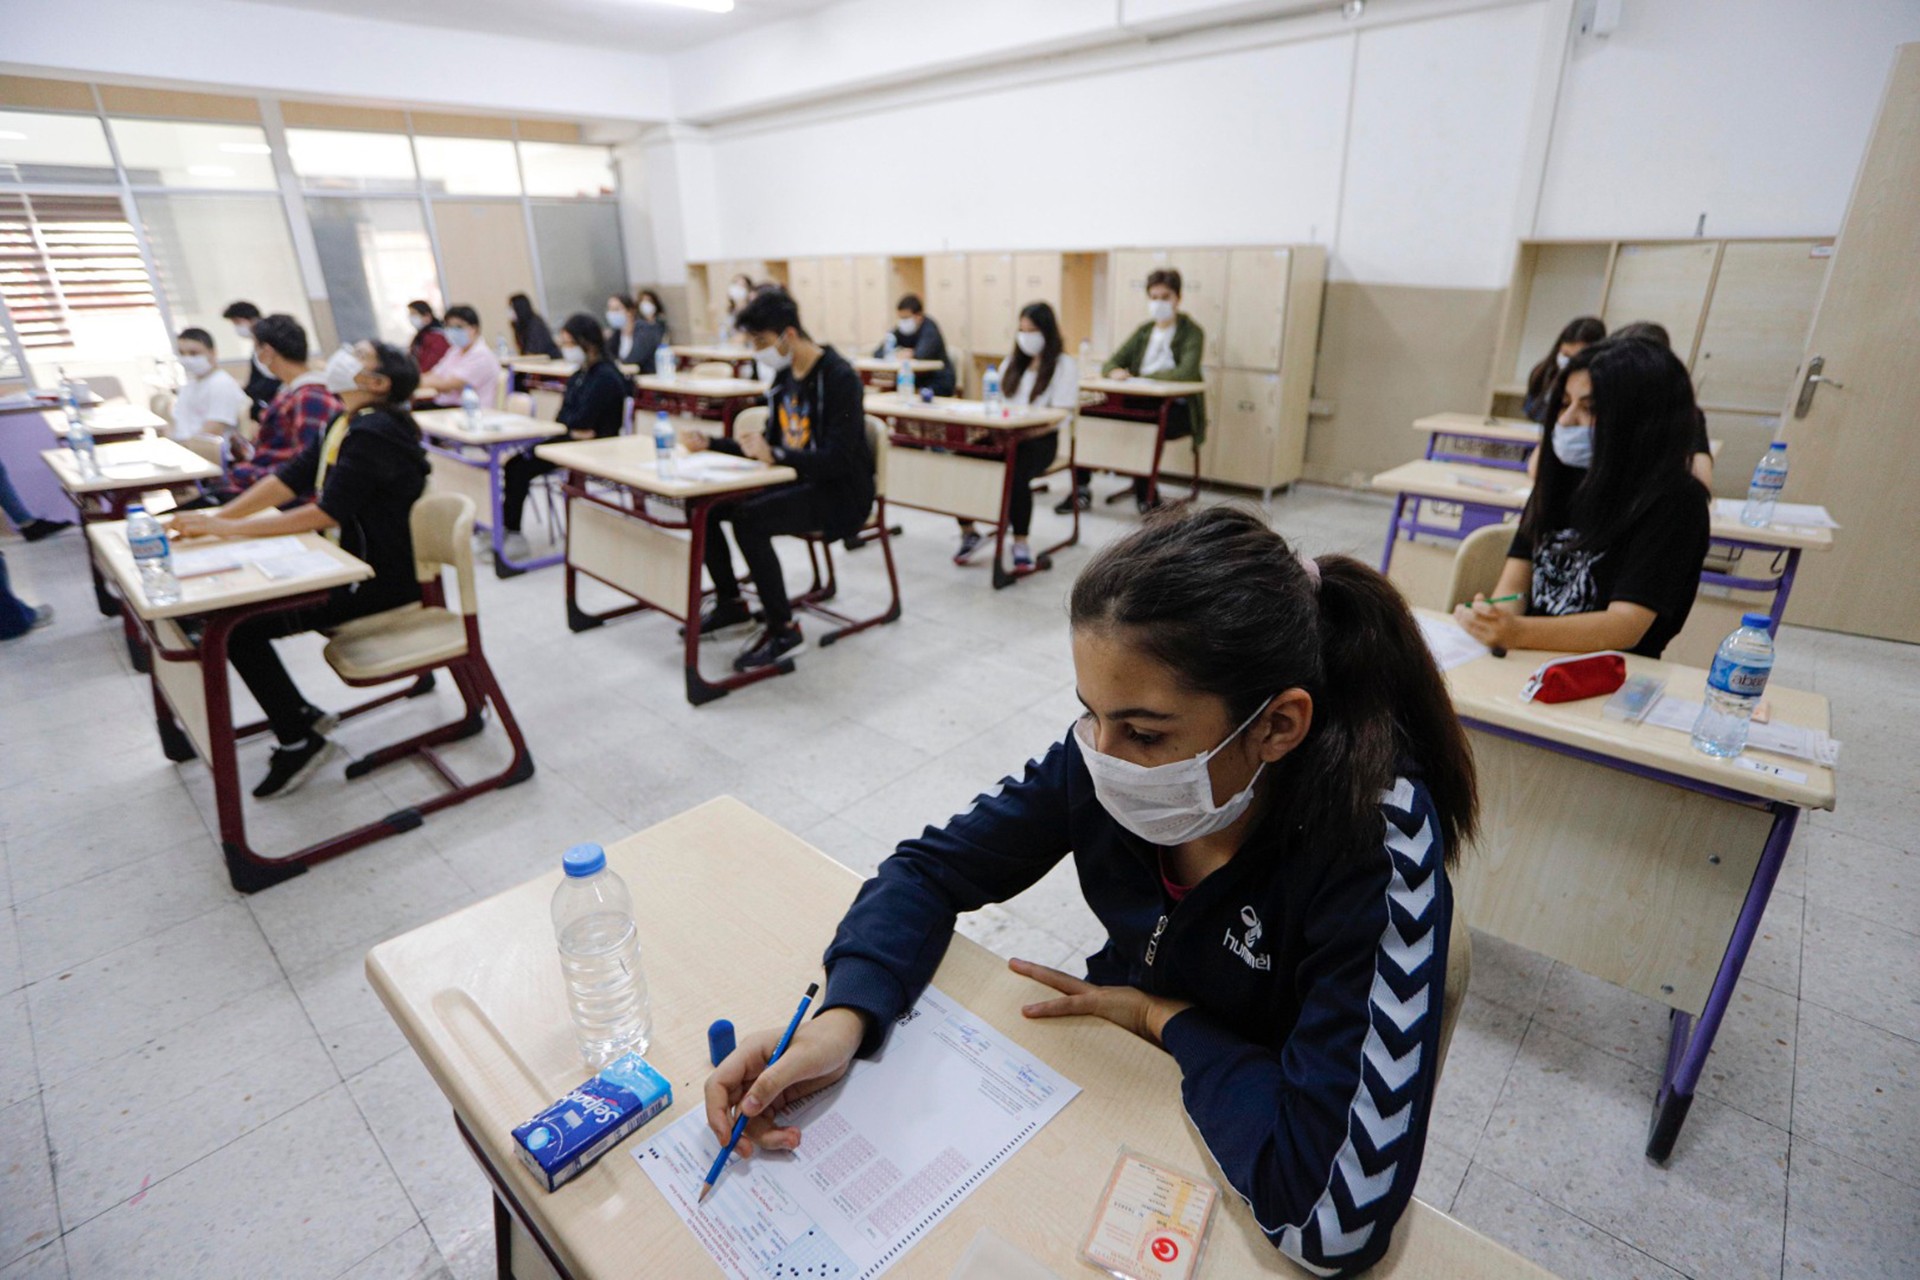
{"points": [[1038, 373]]}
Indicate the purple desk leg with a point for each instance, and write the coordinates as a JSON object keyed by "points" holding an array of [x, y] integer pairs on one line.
{"points": [[1393, 532]]}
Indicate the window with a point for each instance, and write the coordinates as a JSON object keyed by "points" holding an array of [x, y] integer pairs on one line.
{"points": [[375, 257], [209, 250], [566, 169], [173, 153], [336, 160], [581, 261], [73, 280], [37, 147], [468, 166]]}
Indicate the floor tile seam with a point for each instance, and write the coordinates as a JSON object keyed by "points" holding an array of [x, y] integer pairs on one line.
{"points": [[1911, 1181], [70, 966], [420, 1215], [1584, 1221], [165, 1031]]}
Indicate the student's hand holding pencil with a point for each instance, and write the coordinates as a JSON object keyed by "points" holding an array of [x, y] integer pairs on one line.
{"points": [[1489, 622], [744, 1083]]}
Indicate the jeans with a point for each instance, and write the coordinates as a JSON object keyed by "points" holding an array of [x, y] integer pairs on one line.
{"points": [[10, 501], [16, 615]]}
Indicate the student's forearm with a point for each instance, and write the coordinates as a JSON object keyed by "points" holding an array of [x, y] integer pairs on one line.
{"points": [[307, 519], [1701, 464], [262, 495], [1580, 632]]}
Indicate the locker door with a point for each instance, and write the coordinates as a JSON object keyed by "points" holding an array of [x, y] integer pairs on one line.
{"points": [[1256, 307], [1665, 283], [1240, 435], [990, 303], [1203, 278]]}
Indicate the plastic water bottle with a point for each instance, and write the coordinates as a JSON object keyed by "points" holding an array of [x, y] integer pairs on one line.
{"points": [[663, 465], [990, 393], [500, 349], [600, 958], [891, 345], [1769, 478], [1086, 357], [663, 361], [1735, 684], [80, 441], [470, 406], [152, 555], [903, 381]]}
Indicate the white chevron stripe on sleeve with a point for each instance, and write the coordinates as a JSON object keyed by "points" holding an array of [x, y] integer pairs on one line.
{"points": [[1400, 795], [1395, 1071], [1413, 847], [1406, 956], [1335, 1239], [1366, 1187], [1381, 1129], [1403, 1012], [1412, 901], [1295, 1246]]}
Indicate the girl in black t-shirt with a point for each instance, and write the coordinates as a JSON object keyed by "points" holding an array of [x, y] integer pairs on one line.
{"points": [[1610, 545]]}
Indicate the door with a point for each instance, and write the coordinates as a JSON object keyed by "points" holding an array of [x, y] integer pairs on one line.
{"points": [[1853, 449], [484, 252], [1664, 283], [1756, 320]]}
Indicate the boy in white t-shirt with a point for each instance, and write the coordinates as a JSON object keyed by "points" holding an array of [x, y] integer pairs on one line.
{"points": [[210, 402]]}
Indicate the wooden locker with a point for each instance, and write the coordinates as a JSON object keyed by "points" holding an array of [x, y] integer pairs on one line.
{"points": [[1553, 284], [806, 281], [990, 303], [945, 297], [838, 320], [699, 312], [1127, 291], [1256, 307], [1203, 296], [873, 300], [1242, 424], [1037, 278], [1665, 283], [1757, 321]]}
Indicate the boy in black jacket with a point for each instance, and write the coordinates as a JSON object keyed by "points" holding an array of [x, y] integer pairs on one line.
{"points": [[816, 424]]}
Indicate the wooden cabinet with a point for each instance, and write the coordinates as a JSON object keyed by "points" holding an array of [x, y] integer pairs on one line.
{"points": [[1244, 428], [1757, 321], [873, 299], [1256, 307], [837, 320], [806, 281], [990, 302], [1127, 291], [1036, 278], [1203, 296], [1664, 283], [945, 295]]}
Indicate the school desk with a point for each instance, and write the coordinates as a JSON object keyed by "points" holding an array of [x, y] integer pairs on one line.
{"points": [[883, 371], [949, 457], [1506, 443], [546, 373], [473, 461], [110, 421], [647, 538], [1102, 441], [688, 355], [714, 399], [479, 996], [1621, 851], [1489, 495]]}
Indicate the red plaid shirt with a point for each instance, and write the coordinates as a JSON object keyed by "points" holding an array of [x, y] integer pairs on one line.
{"points": [[295, 419]]}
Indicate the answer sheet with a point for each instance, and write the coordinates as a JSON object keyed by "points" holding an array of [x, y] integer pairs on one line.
{"points": [[884, 1154], [1448, 642]]}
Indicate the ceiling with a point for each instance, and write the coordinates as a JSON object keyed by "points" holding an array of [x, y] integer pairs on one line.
{"points": [[643, 26]]}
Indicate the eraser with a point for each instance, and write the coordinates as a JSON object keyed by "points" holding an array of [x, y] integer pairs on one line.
{"points": [[719, 1041], [590, 1121]]}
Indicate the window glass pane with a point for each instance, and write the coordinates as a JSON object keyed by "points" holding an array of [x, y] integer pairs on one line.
{"points": [[375, 257], [174, 153], [468, 166], [213, 250], [76, 287], [565, 169], [581, 261], [338, 160], [38, 147]]}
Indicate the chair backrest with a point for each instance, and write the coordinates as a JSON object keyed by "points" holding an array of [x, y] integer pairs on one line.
{"points": [[712, 369], [880, 441], [1459, 973], [104, 385], [750, 422], [442, 526], [546, 404], [1477, 563], [520, 402]]}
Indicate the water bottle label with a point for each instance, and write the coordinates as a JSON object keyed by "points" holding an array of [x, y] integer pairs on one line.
{"points": [[1738, 679], [1770, 481]]}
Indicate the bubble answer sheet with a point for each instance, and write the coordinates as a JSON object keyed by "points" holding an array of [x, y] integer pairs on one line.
{"points": [[884, 1154]]}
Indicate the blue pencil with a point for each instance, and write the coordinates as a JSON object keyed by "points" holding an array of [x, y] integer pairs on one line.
{"points": [[740, 1124]]}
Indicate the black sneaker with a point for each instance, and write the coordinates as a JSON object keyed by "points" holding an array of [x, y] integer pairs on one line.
{"points": [[772, 647], [1147, 505], [291, 766], [1081, 499], [969, 544], [725, 615], [39, 529], [321, 722]]}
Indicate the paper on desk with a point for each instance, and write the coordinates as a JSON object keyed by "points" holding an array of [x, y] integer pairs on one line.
{"points": [[1451, 647], [1796, 740], [1786, 515], [709, 465], [884, 1154]]}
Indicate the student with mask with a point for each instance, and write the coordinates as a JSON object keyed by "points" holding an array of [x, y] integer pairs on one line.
{"points": [[468, 362], [262, 386], [1579, 333], [917, 334], [1169, 347], [298, 414], [1041, 374], [531, 336], [816, 424], [1699, 448], [1263, 802], [740, 291], [649, 331], [359, 482], [210, 403], [1610, 543], [592, 407], [429, 345]]}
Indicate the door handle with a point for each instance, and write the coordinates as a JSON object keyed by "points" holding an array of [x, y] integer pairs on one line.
{"points": [[1812, 382]]}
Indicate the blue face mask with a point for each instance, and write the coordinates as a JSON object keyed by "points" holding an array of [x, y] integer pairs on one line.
{"points": [[459, 337], [1573, 445]]}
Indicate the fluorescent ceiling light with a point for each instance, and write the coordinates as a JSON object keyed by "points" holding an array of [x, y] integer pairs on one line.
{"points": [[209, 171], [246, 148], [9, 135]]}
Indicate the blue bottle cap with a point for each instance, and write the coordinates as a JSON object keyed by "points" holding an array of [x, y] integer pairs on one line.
{"points": [[135, 506], [1778, 444], [1761, 620], [584, 859], [720, 1041]]}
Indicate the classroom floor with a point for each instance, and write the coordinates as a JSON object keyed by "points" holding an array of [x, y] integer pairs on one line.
{"points": [[198, 1084]]}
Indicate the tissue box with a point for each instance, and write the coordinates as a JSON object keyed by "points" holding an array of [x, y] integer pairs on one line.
{"points": [[591, 1120]]}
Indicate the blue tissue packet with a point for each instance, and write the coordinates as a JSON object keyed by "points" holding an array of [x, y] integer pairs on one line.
{"points": [[590, 1121]]}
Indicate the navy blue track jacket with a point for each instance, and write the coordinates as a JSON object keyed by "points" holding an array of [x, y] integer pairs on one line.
{"points": [[1316, 976]]}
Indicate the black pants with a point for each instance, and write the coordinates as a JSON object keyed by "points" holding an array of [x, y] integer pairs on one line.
{"points": [[516, 480], [757, 521], [1030, 459], [1179, 427], [250, 650]]}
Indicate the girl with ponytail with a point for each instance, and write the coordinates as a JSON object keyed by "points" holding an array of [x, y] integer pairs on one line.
{"points": [[1262, 802]]}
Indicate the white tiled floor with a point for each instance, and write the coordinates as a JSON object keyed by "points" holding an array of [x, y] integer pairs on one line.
{"points": [[196, 1084]]}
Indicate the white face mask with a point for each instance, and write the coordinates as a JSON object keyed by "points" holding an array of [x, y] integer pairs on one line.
{"points": [[1160, 310], [575, 356], [772, 360], [343, 366], [908, 327], [1031, 343], [417, 320], [459, 338], [737, 291], [616, 320], [196, 366], [1165, 804], [244, 329], [1562, 359], [647, 308], [1573, 445], [260, 363]]}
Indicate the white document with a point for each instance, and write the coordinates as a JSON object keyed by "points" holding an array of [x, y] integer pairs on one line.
{"points": [[884, 1154], [709, 465], [1796, 740], [1450, 645], [1786, 515]]}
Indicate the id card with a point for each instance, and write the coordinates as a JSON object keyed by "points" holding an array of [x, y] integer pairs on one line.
{"points": [[1152, 1221]]}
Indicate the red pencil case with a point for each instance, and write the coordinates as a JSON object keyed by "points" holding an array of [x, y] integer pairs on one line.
{"points": [[1577, 676]]}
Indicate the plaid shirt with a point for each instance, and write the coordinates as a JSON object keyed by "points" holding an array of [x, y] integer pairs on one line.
{"points": [[296, 418]]}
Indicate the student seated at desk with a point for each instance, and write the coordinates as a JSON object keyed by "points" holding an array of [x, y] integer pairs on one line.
{"points": [[363, 476], [816, 424], [636, 330], [917, 334], [1262, 803], [262, 386], [1038, 373], [591, 407], [429, 345], [210, 404], [1610, 544], [300, 411], [468, 362], [1580, 333], [740, 291], [1699, 448], [1169, 347], [531, 334]]}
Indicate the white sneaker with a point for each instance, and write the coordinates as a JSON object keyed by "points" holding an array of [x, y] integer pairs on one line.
{"points": [[516, 548]]}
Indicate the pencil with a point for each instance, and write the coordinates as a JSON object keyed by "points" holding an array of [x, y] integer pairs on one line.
{"points": [[740, 1124]]}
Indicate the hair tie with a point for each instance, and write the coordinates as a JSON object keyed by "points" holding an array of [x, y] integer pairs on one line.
{"points": [[1312, 567]]}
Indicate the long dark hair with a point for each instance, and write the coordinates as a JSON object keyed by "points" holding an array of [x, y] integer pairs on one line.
{"points": [[1042, 316], [1222, 601], [1643, 414], [587, 331], [1585, 330]]}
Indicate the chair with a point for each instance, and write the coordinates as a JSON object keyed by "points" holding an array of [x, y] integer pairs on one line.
{"points": [[520, 402], [711, 369], [1477, 563], [104, 385], [415, 640], [1459, 974], [813, 600]]}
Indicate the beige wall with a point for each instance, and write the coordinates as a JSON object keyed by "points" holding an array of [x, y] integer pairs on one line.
{"points": [[1390, 354]]}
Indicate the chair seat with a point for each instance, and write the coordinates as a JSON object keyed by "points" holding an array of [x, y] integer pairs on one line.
{"points": [[396, 642]]}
